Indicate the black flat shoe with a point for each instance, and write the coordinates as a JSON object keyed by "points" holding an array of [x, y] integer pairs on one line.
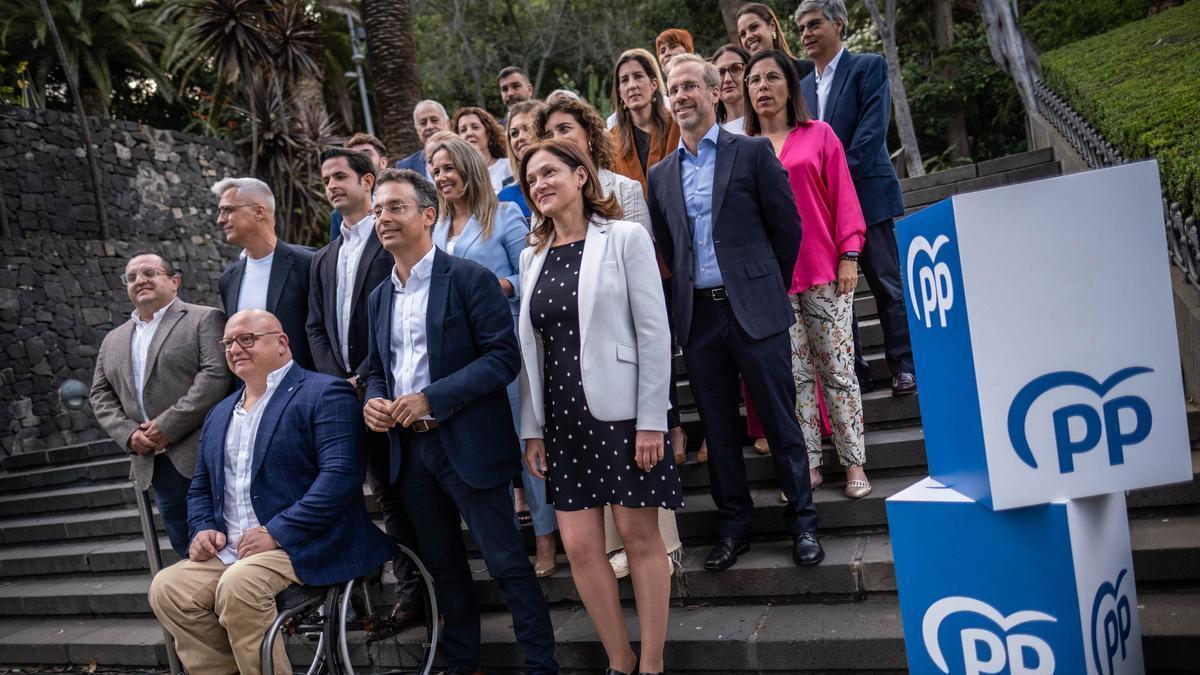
{"points": [[726, 553], [614, 671], [904, 384], [806, 550]]}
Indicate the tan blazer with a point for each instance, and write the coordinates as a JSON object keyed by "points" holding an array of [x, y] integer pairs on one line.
{"points": [[186, 375]]}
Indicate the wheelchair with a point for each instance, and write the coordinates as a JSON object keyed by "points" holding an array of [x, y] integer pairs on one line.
{"points": [[345, 629]]}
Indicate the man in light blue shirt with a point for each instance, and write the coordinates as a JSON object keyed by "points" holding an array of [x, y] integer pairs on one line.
{"points": [[727, 227]]}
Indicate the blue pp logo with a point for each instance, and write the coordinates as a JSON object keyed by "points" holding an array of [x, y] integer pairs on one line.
{"points": [[931, 281], [1112, 623], [1105, 422], [989, 641]]}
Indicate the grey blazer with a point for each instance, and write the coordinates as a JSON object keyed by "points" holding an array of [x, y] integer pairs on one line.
{"points": [[186, 375]]}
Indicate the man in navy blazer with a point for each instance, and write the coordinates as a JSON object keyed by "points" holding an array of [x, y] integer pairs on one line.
{"points": [[276, 500], [442, 352], [342, 276], [429, 117], [850, 92], [725, 223], [273, 274]]}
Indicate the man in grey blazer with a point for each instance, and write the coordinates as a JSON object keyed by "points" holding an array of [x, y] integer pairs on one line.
{"points": [[157, 376]]}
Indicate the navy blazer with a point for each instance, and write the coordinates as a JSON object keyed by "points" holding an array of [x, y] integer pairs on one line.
{"points": [[860, 100], [416, 162], [306, 478], [323, 337], [473, 355], [287, 294], [756, 233]]}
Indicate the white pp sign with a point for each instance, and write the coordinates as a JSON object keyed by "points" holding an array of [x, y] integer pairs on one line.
{"points": [[1043, 334]]}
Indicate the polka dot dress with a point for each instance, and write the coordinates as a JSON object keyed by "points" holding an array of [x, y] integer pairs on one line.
{"points": [[591, 462]]}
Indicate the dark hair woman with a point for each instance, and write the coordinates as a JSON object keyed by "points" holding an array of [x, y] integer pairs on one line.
{"points": [[477, 127], [826, 270], [759, 30], [645, 130], [596, 356], [731, 61]]}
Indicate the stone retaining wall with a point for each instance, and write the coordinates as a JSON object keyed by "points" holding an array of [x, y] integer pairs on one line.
{"points": [[59, 287]]}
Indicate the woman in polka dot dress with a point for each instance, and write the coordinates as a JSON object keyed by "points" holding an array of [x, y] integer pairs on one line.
{"points": [[596, 367]]}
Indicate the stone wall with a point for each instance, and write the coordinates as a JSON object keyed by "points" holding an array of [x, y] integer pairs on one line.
{"points": [[59, 286]]}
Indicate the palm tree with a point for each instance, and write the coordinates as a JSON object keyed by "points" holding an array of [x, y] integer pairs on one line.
{"points": [[392, 47]]}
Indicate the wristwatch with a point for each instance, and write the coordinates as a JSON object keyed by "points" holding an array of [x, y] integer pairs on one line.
{"points": [[849, 255]]}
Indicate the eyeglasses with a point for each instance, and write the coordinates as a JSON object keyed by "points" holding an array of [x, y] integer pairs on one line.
{"points": [[245, 340], [144, 273], [226, 211], [810, 26], [393, 208], [683, 88], [773, 77], [734, 71]]}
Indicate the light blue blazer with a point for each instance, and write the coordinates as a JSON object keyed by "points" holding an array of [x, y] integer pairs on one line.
{"points": [[500, 253]]}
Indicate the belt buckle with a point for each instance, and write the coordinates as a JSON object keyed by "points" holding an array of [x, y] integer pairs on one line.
{"points": [[421, 426], [718, 293]]}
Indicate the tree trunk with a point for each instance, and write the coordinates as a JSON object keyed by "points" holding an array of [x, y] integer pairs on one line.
{"points": [[88, 148], [392, 51], [729, 10], [1011, 48], [545, 55], [904, 124], [956, 119], [458, 27]]}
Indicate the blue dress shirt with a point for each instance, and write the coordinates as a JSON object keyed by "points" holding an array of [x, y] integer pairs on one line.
{"points": [[697, 174]]}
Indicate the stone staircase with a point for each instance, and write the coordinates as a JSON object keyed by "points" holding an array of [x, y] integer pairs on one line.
{"points": [[73, 573]]}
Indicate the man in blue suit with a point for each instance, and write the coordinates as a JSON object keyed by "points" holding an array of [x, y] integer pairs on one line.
{"points": [[442, 350], [850, 92], [276, 500], [429, 117], [272, 274], [727, 227]]}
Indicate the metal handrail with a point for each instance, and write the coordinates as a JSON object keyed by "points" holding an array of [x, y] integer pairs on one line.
{"points": [[154, 557], [1183, 238]]}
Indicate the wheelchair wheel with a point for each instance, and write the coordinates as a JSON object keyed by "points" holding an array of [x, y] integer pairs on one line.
{"points": [[307, 625], [368, 643]]}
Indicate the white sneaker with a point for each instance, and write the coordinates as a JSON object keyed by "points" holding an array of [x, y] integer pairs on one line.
{"points": [[619, 562]]}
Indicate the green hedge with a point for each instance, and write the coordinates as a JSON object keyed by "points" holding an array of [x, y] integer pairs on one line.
{"points": [[1139, 86]]}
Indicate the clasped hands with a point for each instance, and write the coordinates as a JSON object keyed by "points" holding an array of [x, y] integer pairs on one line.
{"points": [[207, 542], [148, 439], [381, 414], [649, 451]]}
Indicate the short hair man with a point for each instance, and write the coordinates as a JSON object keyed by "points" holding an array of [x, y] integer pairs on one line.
{"points": [[727, 226], [851, 93], [273, 274], [276, 501], [442, 352], [342, 276], [157, 376], [375, 151], [514, 86], [429, 117]]}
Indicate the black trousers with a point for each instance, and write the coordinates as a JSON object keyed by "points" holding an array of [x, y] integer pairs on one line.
{"points": [[430, 486], [395, 517], [718, 350], [880, 264]]}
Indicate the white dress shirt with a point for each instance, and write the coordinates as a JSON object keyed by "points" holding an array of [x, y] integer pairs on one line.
{"points": [[238, 511], [354, 239], [410, 343], [735, 126], [143, 335], [825, 83], [255, 279]]}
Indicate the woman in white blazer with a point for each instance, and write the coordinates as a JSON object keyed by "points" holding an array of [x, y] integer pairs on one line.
{"points": [[596, 353]]}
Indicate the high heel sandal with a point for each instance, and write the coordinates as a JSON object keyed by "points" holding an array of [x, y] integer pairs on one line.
{"points": [[614, 671]]}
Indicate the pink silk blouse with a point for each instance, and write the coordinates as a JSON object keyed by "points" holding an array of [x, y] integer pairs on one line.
{"points": [[830, 216]]}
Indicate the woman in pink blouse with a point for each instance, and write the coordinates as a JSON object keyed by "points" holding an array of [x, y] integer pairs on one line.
{"points": [[826, 267]]}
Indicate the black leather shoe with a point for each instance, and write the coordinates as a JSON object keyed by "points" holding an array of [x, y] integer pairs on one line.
{"points": [[806, 550], [904, 384], [726, 553], [405, 614]]}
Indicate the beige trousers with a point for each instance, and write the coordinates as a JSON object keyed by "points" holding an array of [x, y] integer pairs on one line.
{"points": [[666, 528], [218, 613]]}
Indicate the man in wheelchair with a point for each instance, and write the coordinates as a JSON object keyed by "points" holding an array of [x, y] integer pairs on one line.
{"points": [[276, 500]]}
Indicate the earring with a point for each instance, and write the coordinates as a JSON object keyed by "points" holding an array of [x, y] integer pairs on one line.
{"points": [[774, 36]]}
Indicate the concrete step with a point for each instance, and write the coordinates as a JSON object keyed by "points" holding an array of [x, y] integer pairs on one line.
{"points": [[89, 524], [64, 455], [1166, 551], [879, 406], [753, 637], [1000, 174], [75, 497], [57, 475], [80, 558]]}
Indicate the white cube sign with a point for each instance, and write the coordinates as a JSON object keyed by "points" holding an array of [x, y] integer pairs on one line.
{"points": [[1034, 591], [1043, 334]]}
